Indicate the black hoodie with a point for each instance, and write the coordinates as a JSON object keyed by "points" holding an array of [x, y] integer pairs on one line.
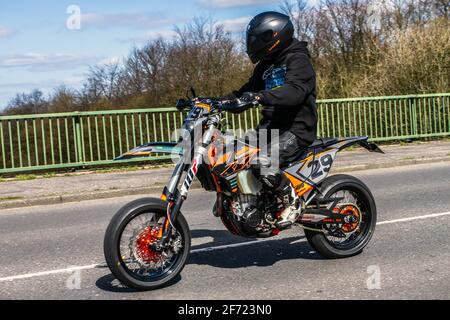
{"points": [[287, 86]]}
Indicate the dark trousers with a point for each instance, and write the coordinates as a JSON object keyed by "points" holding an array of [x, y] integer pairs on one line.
{"points": [[268, 168], [287, 143]]}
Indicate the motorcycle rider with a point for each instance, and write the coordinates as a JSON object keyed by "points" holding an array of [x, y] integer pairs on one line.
{"points": [[284, 83]]}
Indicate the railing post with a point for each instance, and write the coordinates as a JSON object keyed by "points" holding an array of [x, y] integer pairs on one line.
{"points": [[2, 142], [413, 117], [78, 140], [448, 112]]}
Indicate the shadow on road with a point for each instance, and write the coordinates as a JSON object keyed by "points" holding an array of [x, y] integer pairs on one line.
{"points": [[219, 238], [257, 254], [111, 284], [262, 254]]}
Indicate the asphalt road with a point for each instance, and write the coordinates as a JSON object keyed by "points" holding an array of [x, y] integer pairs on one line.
{"points": [[410, 249]]}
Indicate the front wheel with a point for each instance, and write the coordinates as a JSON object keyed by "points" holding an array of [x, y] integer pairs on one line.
{"points": [[128, 245], [350, 238]]}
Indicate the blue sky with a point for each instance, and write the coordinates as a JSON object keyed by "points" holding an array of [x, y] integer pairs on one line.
{"points": [[37, 50]]}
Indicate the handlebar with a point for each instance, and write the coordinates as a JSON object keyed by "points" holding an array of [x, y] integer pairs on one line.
{"points": [[219, 104], [238, 104]]}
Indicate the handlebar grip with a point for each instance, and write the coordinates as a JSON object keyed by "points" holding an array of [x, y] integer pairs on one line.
{"points": [[238, 105]]}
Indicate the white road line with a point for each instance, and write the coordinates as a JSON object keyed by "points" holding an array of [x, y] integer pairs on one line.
{"points": [[47, 273], [433, 215], [209, 249]]}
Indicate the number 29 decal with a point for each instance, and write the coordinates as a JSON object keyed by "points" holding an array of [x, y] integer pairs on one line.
{"points": [[316, 167]]}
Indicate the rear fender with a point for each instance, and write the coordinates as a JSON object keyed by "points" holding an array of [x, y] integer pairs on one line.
{"points": [[149, 148], [361, 141]]}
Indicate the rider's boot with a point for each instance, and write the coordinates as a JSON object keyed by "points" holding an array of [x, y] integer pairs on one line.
{"points": [[291, 212], [282, 188]]}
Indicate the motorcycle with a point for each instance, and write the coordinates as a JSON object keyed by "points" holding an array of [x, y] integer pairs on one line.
{"points": [[148, 241]]}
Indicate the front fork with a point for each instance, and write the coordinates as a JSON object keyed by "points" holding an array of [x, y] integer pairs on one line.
{"points": [[171, 194]]}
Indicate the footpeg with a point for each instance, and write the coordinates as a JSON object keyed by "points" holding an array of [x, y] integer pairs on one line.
{"points": [[283, 225]]}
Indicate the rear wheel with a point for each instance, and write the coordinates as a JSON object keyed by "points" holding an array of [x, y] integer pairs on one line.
{"points": [[128, 245], [349, 238]]}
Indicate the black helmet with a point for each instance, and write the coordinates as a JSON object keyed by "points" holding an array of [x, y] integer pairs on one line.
{"points": [[268, 33]]}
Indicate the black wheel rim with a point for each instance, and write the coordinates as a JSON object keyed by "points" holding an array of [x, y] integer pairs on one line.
{"points": [[358, 198]]}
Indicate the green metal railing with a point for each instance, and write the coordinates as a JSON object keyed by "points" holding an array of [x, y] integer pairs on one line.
{"points": [[79, 139]]}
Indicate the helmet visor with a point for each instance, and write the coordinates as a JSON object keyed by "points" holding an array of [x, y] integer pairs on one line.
{"points": [[257, 45]]}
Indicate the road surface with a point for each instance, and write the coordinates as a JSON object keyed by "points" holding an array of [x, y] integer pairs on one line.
{"points": [[55, 252]]}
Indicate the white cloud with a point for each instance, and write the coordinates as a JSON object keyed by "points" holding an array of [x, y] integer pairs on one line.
{"points": [[110, 60], [136, 20], [15, 85], [48, 84], [234, 3], [5, 32], [9, 90], [74, 81], [236, 24], [313, 3], [166, 34], [36, 62]]}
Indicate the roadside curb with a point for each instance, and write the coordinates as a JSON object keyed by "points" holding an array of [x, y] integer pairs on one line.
{"points": [[48, 200], [156, 189], [387, 165]]}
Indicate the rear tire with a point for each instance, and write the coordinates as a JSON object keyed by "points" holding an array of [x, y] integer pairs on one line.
{"points": [[112, 245], [321, 243]]}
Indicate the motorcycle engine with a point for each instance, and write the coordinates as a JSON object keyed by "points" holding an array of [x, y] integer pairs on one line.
{"points": [[250, 206], [245, 207]]}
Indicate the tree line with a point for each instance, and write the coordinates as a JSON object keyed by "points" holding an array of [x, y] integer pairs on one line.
{"points": [[358, 47]]}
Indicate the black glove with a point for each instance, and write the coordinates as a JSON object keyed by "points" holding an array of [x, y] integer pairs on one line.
{"points": [[250, 97], [236, 109], [245, 102]]}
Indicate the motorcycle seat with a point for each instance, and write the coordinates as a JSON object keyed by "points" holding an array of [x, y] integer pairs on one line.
{"points": [[319, 143], [323, 142], [295, 158]]}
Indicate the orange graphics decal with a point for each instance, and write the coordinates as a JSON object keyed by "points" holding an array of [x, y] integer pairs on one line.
{"points": [[243, 159], [300, 186], [205, 106]]}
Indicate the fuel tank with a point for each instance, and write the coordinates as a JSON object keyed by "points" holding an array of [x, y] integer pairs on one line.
{"points": [[228, 159]]}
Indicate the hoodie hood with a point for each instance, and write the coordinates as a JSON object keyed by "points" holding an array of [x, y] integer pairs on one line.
{"points": [[295, 46]]}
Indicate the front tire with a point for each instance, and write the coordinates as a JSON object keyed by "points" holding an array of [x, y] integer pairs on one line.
{"points": [[126, 246], [332, 187]]}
